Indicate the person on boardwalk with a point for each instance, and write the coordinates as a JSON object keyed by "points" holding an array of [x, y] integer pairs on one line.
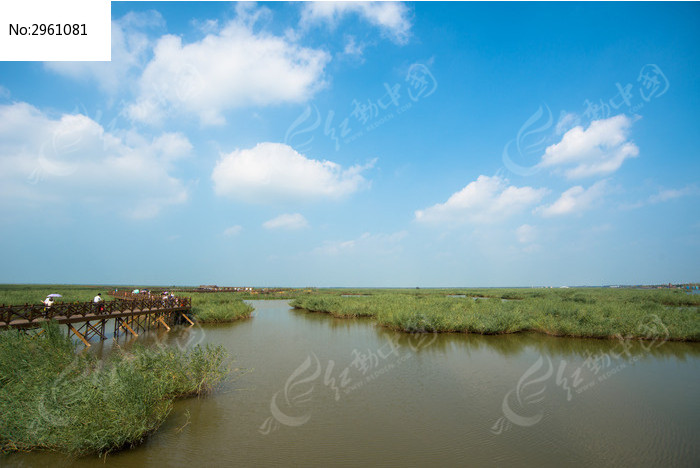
{"points": [[48, 302], [99, 306]]}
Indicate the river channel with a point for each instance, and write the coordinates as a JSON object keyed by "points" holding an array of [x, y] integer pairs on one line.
{"points": [[313, 390]]}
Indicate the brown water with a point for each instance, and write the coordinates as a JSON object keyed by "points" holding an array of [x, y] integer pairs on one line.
{"points": [[319, 391]]}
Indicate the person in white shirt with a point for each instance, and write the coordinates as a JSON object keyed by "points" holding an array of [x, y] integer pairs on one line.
{"points": [[97, 300], [48, 302]]}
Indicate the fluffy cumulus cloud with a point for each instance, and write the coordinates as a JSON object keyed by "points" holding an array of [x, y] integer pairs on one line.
{"points": [[392, 18], [275, 172], [487, 199], [130, 48], [71, 159], [575, 200], [289, 222], [234, 67], [596, 151]]}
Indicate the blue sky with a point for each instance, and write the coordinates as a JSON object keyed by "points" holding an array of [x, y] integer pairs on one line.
{"points": [[391, 144]]}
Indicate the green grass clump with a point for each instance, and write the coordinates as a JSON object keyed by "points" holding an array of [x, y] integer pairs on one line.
{"points": [[219, 307], [54, 399], [576, 312]]}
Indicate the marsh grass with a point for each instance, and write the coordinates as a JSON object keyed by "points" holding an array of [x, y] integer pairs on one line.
{"points": [[53, 398], [219, 307], [595, 313], [16, 294]]}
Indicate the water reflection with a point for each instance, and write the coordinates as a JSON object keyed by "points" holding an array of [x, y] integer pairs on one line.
{"points": [[510, 344]]}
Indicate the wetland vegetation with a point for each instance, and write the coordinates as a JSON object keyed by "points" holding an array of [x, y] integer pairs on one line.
{"points": [[219, 307], [49, 390], [55, 398], [575, 312], [15, 294]]}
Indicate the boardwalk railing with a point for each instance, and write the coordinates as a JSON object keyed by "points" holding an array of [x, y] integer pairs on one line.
{"points": [[28, 315]]}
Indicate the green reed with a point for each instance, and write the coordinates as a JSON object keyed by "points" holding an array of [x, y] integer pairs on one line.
{"points": [[219, 307], [579, 312], [53, 398]]}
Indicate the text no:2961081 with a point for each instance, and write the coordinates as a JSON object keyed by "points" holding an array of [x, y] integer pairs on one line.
{"points": [[52, 29]]}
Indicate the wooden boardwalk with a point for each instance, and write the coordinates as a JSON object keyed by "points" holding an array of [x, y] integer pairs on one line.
{"points": [[88, 319]]}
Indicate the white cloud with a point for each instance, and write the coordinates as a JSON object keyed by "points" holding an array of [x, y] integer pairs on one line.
{"points": [[575, 200], [392, 18], [72, 159], [376, 244], [289, 222], [4, 92], [172, 146], [233, 230], [663, 195], [670, 194], [487, 199], [352, 48], [526, 234], [232, 68], [249, 13], [275, 172], [130, 47], [566, 121], [599, 150], [208, 26]]}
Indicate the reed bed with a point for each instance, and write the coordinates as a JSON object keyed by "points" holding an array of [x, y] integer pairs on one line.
{"points": [[594, 313], [53, 398], [219, 307]]}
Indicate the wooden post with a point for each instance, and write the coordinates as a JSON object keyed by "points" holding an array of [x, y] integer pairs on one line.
{"points": [[187, 318], [77, 333], [160, 319], [124, 324], [95, 330]]}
